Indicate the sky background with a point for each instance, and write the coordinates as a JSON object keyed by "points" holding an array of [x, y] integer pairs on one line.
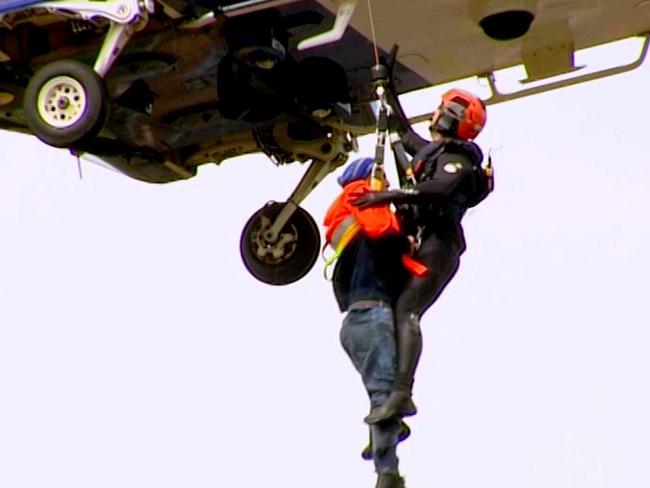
{"points": [[136, 350]]}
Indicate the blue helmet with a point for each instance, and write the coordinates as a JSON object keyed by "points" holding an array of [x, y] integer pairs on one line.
{"points": [[358, 169]]}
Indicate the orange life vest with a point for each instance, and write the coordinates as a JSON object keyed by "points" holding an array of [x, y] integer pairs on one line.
{"points": [[373, 221], [344, 221]]}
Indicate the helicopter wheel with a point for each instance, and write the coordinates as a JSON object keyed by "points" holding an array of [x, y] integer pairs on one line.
{"points": [[65, 103], [290, 256]]}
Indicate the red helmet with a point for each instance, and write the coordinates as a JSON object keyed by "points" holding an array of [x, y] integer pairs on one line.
{"points": [[462, 114]]}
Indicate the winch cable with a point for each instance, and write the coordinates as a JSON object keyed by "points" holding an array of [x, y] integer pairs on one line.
{"points": [[371, 18], [380, 80], [379, 75]]}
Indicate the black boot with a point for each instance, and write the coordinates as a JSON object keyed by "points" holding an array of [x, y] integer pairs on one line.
{"points": [[404, 434], [409, 348], [389, 480]]}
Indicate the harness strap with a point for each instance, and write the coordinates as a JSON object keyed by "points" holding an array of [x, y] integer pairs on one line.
{"points": [[344, 233], [379, 75]]}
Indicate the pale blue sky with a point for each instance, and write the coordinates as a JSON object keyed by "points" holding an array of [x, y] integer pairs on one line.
{"points": [[136, 351]]}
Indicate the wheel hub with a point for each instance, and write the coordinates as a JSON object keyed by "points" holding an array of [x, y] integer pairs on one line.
{"points": [[277, 251], [62, 102]]}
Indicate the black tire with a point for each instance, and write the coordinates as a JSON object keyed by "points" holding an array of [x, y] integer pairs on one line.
{"points": [[297, 257], [65, 103]]}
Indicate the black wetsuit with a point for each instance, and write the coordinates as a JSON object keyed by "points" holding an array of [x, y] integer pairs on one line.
{"points": [[449, 181]]}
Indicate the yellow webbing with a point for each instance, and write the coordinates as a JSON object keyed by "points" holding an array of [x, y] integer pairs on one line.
{"points": [[341, 238]]}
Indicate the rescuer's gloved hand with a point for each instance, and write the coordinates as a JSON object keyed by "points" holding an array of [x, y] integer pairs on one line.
{"points": [[374, 199]]}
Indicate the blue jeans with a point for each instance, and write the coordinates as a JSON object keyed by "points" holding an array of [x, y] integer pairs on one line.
{"points": [[368, 337]]}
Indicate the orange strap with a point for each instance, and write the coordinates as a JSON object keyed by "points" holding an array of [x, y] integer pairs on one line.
{"points": [[414, 266]]}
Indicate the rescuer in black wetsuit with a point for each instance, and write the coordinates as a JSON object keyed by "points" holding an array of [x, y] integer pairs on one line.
{"points": [[450, 179]]}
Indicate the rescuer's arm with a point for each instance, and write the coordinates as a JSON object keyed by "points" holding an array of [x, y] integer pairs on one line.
{"points": [[399, 122], [451, 170]]}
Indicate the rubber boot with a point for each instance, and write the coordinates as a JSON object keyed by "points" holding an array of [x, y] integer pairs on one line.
{"points": [[404, 434], [409, 348], [389, 480]]}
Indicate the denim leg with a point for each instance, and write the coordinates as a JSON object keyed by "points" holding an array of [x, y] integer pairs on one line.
{"points": [[384, 446], [368, 337]]}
